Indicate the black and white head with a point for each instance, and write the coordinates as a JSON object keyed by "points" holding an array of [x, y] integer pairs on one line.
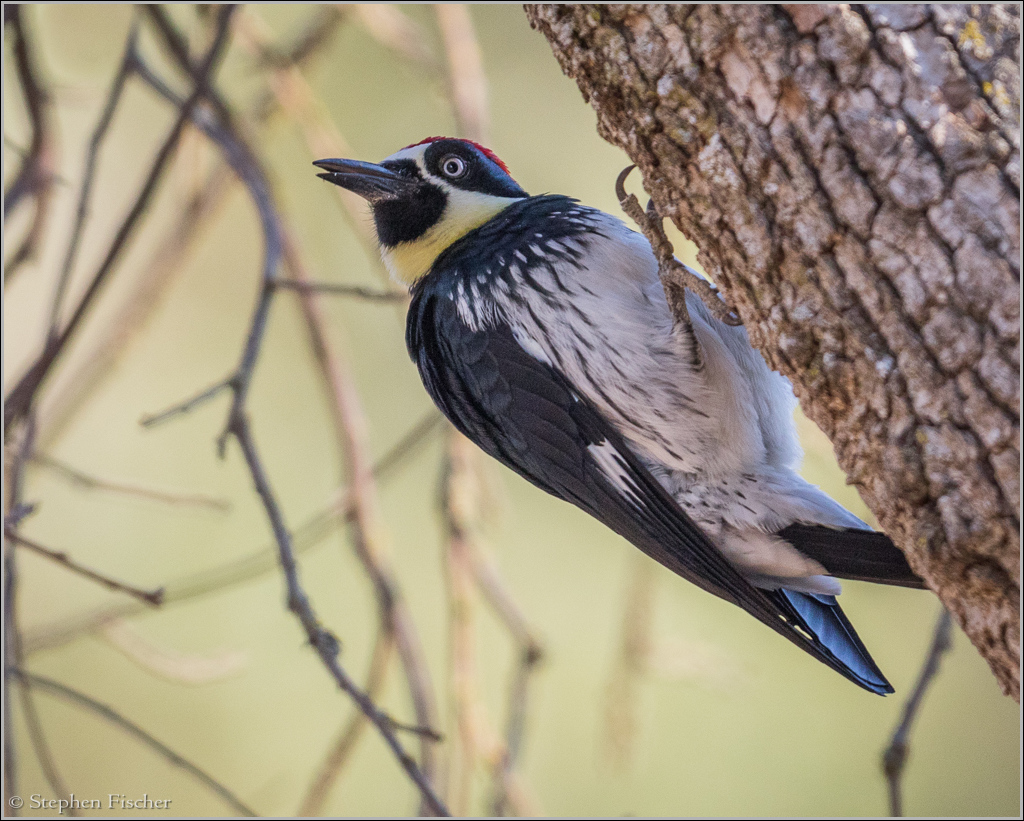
{"points": [[427, 196]]}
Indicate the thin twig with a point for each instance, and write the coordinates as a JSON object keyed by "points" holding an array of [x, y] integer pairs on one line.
{"points": [[325, 644], [674, 275], [248, 168], [408, 444], [467, 92], [467, 82], [306, 536], [337, 757], [894, 758], [36, 175], [168, 664], [20, 398], [458, 506], [112, 343], [467, 97], [339, 289], [90, 482], [632, 661], [41, 746], [315, 37], [298, 101], [467, 575], [110, 714], [164, 262], [14, 644], [149, 420], [99, 133], [351, 433], [13, 648], [395, 30], [429, 733], [531, 654], [153, 597]]}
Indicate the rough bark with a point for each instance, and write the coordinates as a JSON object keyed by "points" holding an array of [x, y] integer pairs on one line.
{"points": [[851, 177]]}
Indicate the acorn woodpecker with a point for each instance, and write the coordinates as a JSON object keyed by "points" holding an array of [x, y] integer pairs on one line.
{"points": [[541, 329]]}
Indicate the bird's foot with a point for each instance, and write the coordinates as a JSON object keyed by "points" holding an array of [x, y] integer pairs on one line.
{"points": [[674, 275]]}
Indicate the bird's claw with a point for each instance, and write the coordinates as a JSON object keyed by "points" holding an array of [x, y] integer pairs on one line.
{"points": [[669, 268]]}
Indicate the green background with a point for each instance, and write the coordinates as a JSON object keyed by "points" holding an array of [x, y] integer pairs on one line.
{"points": [[730, 720]]}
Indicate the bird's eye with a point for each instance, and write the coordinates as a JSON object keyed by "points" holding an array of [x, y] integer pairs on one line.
{"points": [[452, 166]]}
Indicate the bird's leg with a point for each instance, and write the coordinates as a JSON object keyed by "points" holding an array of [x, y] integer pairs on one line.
{"points": [[674, 275]]}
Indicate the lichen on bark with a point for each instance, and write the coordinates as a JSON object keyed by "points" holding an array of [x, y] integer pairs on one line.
{"points": [[851, 176]]}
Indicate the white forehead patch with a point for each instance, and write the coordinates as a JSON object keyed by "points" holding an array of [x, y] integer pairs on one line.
{"points": [[413, 152]]}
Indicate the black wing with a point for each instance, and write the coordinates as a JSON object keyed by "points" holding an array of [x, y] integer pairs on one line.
{"points": [[527, 415]]}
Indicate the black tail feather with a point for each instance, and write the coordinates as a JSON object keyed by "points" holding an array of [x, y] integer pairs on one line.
{"points": [[861, 555], [832, 634]]}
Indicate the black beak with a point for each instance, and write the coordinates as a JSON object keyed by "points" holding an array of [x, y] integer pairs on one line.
{"points": [[374, 183]]}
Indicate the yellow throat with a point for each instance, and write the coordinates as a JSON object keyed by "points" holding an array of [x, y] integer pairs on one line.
{"points": [[465, 211]]}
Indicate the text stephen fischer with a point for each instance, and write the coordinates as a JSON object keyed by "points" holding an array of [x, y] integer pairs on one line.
{"points": [[114, 801]]}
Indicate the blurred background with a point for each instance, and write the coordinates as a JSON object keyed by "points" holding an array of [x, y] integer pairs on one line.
{"points": [[650, 697]]}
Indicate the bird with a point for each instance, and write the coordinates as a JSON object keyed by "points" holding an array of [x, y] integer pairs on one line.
{"points": [[541, 329]]}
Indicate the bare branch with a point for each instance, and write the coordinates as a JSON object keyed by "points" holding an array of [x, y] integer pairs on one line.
{"points": [[531, 654], [427, 732], [325, 644], [109, 714], [89, 482], [352, 434], [295, 97], [60, 405], [37, 174], [467, 573], [407, 445], [515, 731], [165, 261], [314, 38], [247, 166], [37, 99], [188, 405], [168, 664], [153, 597], [99, 133], [220, 127], [340, 753], [306, 536], [395, 30], [466, 78], [12, 644], [20, 398], [457, 508], [41, 746], [895, 756], [632, 660], [467, 93], [338, 289]]}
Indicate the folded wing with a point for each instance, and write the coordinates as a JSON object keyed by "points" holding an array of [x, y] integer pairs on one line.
{"points": [[524, 413]]}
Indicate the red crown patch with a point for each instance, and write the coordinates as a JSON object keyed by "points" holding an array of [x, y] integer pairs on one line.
{"points": [[486, 151]]}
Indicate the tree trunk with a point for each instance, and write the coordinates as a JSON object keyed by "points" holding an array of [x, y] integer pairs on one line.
{"points": [[851, 177]]}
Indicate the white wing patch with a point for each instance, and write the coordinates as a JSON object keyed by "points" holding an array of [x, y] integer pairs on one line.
{"points": [[531, 346], [613, 466]]}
